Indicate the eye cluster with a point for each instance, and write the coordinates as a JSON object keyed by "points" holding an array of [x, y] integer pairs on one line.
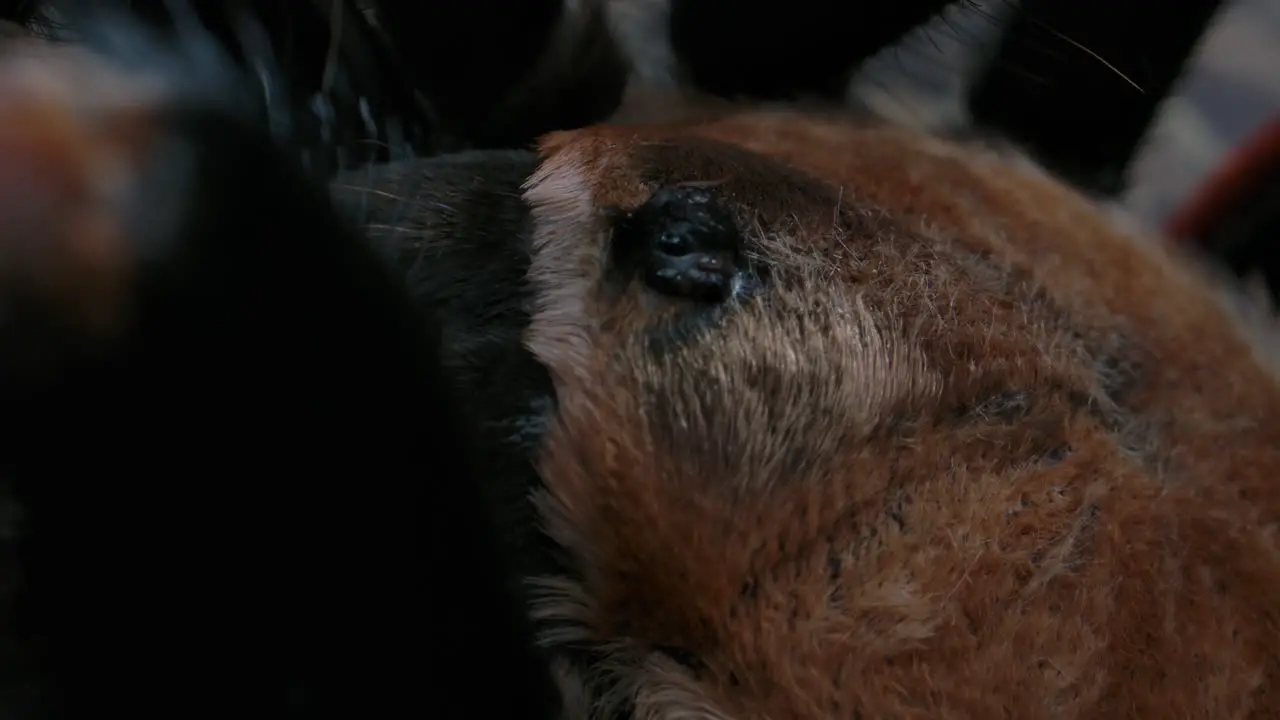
{"points": [[261, 492], [684, 244]]}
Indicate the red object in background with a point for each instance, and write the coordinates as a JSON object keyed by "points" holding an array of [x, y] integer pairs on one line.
{"points": [[1235, 215], [1236, 181]]}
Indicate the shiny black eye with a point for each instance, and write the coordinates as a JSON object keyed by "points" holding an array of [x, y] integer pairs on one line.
{"points": [[684, 244]]}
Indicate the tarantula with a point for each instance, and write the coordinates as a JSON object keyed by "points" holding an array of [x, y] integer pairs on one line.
{"points": [[758, 413]]}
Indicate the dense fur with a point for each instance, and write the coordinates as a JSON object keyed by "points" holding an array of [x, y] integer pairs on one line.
{"points": [[972, 452], [460, 233], [963, 448]]}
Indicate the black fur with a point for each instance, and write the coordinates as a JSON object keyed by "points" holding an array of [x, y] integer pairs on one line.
{"points": [[260, 496], [458, 228]]}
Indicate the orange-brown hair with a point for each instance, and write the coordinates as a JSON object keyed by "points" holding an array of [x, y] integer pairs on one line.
{"points": [[973, 450]]}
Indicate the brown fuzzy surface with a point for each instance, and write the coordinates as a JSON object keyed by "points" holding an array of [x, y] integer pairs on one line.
{"points": [[975, 452]]}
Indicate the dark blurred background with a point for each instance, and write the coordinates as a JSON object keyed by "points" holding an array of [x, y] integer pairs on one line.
{"points": [[1230, 90]]}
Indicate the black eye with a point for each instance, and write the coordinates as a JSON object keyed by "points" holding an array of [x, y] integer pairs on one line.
{"points": [[684, 244], [674, 244]]}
